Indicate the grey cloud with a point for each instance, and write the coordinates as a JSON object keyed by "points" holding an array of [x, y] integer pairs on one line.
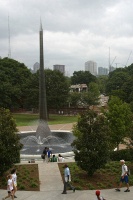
{"points": [[74, 31]]}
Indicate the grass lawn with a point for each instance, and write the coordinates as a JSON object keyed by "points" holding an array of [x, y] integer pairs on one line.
{"points": [[31, 119], [105, 178]]}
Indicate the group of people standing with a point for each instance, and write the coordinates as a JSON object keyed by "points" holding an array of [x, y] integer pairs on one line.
{"points": [[11, 185], [47, 153], [47, 156]]}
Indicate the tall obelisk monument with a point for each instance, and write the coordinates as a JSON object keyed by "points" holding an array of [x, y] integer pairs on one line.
{"points": [[42, 86]]}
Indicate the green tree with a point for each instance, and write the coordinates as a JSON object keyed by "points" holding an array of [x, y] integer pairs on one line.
{"points": [[92, 143], [57, 89], [87, 98], [32, 92], [116, 80], [74, 99], [91, 97], [102, 81], [120, 83], [9, 141], [82, 77], [13, 82], [119, 116]]}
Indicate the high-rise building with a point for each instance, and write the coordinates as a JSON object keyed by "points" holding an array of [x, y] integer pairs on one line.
{"points": [[61, 68], [102, 71], [36, 67], [91, 66]]}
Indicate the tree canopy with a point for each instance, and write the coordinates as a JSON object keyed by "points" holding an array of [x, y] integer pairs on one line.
{"points": [[119, 116], [82, 77], [19, 88], [92, 143], [120, 84], [13, 82], [9, 141], [57, 89]]}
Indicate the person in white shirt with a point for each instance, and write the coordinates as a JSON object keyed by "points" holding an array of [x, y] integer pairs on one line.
{"points": [[14, 178], [67, 179], [9, 188], [124, 177], [98, 197], [60, 158]]}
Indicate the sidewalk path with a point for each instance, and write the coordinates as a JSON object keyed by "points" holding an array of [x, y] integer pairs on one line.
{"points": [[67, 127], [50, 178]]}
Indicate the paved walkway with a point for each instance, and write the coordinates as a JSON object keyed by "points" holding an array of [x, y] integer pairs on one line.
{"points": [[52, 127]]}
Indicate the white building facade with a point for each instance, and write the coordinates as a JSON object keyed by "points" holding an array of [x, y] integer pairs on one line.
{"points": [[91, 66]]}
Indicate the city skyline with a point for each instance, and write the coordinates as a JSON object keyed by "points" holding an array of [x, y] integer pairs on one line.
{"points": [[74, 32]]}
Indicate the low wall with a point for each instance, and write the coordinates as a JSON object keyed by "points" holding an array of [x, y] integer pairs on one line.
{"points": [[38, 157]]}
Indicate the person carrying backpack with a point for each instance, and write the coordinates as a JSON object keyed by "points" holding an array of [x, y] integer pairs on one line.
{"points": [[124, 177]]}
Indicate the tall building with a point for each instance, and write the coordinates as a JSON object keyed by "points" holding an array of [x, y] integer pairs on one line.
{"points": [[91, 66], [102, 71], [36, 67], [61, 68]]}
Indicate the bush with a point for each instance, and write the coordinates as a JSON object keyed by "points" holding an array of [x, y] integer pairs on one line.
{"points": [[125, 154]]}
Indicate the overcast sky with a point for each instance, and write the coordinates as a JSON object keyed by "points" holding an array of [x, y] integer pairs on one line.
{"points": [[75, 31]]}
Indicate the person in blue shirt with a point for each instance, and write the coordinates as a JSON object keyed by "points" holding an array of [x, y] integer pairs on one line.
{"points": [[49, 153], [67, 179]]}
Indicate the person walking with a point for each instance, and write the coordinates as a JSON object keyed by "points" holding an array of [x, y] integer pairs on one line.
{"points": [[124, 177], [14, 178], [9, 188], [98, 197], [67, 179]]}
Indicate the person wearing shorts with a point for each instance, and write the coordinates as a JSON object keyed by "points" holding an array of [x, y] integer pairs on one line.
{"points": [[124, 177], [10, 189], [14, 178]]}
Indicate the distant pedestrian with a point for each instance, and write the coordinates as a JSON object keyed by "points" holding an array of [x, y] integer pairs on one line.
{"points": [[67, 179], [98, 197], [44, 154], [60, 158], [9, 188], [124, 177], [49, 153], [14, 178], [53, 159]]}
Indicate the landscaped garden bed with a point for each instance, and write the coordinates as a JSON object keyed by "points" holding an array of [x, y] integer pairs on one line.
{"points": [[105, 178], [27, 177]]}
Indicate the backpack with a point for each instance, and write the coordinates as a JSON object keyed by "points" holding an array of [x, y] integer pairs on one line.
{"points": [[128, 171]]}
